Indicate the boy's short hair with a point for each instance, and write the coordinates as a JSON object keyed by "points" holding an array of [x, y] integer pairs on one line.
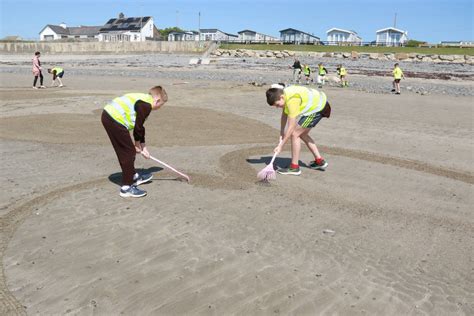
{"points": [[273, 95], [396, 65], [49, 70], [37, 53], [158, 90]]}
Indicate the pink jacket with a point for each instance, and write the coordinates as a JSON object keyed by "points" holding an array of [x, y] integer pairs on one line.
{"points": [[36, 66]]}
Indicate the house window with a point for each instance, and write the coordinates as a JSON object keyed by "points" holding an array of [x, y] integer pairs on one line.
{"points": [[48, 37], [63, 36]]}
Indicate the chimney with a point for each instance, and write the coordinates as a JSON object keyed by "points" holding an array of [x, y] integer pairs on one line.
{"points": [[121, 15], [63, 25]]}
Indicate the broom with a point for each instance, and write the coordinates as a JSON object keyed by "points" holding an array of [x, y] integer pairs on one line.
{"points": [[171, 168], [268, 173]]}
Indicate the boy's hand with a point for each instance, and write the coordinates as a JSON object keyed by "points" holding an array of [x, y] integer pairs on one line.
{"points": [[145, 153], [277, 149]]}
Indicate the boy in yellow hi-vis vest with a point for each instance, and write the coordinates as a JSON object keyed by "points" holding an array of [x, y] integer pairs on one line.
{"points": [[57, 73], [397, 76], [302, 108], [342, 72], [307, 73], [122, 115]]}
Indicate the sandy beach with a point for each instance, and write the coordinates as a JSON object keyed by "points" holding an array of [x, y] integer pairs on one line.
{"points": [[387, 229]]}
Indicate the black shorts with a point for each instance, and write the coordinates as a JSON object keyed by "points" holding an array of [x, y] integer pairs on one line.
{"points": [[397, 80], [61, 74], [310, 121]]}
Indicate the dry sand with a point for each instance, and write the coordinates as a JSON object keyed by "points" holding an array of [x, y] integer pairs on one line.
{"points": [[396, 200]]}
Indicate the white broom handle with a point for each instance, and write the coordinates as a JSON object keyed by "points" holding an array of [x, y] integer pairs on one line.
{"points": [[169, 167], [275, 154]]}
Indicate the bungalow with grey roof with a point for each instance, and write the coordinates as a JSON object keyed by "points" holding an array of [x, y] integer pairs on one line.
{"points": [[55, 32], [252, 36], [217, 35], [294, 36]]}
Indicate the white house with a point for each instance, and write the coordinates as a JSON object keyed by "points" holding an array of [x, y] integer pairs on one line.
{"points": [[252, 36], [298, 37], [183, 36], [391, 36], [336, 36], [217, 35], [457, 43], [122, 29], [55, 32]]}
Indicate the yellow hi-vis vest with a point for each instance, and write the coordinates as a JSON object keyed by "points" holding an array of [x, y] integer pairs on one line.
{"points": [[397, 73], [57, 69], [322, 72], [122, 109], [342, 71], [306, 70], [312, 100]]}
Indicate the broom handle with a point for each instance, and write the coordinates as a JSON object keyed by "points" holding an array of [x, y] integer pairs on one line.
{"points": [[169, 167], [275, 154]]}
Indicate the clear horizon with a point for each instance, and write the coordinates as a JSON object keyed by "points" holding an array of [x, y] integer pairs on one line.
{"points": [[431, 21]]}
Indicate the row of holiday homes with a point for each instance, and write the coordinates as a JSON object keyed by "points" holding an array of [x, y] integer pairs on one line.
{"points": [[134, 29]]}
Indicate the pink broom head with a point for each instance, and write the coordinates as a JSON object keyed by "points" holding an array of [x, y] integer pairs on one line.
{"points": [[267, 173]]}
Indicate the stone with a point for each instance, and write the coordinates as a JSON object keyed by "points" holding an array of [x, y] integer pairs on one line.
{"points": [[328, 55], [374, 56], [269, 54], [446, 57], [346, 55], [401, 56], [354, 55], [279, 55]]}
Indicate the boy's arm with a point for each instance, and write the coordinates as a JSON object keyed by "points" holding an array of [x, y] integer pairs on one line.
{"points": [[142, 109], [283, 120]]}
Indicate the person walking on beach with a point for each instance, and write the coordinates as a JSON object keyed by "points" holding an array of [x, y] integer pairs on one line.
{"points": [[307, 73], [37, 71], [322, 72], [342, 72], [57, 73], [124, 114], [296, 71], [302, 108], [397, 76]]}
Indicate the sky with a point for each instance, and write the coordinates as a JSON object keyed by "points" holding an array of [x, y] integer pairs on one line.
{"points": [[432, 21]]}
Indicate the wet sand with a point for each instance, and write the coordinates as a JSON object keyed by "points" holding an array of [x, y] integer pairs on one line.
{"points": [[387, 229]]}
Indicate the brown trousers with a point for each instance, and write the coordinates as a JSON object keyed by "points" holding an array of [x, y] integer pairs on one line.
{"points": [[123, 146]]}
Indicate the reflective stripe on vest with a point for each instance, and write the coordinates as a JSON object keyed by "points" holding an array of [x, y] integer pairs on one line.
{"points": [[312, 100], [58, 70], [122, 109]]}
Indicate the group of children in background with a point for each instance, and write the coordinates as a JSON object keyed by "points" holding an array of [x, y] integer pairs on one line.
{"points": [[57, 73], [321, 74], [341, 73]]}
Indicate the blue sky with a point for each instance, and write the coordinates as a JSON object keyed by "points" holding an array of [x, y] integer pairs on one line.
{"points": [[431, 21]]}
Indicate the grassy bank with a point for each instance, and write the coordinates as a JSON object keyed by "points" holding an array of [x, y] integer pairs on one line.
{"points": [[360, 49]]}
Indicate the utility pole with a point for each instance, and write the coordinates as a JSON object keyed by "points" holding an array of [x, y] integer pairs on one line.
{"points": [[199, 28]]}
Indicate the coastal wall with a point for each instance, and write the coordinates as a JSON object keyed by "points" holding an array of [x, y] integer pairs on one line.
{"points": [[101, 47], [458, 59]]}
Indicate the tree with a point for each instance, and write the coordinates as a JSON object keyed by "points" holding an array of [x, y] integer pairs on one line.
{"points": [[414, 43], [165, 32]]}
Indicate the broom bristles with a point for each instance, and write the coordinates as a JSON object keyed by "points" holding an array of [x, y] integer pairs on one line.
{"points": [[267, 173]]}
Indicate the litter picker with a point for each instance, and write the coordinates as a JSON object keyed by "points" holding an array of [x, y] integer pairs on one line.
{"points": [[171, 168]]}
